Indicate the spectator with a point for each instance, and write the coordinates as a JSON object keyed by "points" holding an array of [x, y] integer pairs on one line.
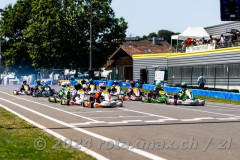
{"points": [[183, 47], [201, 81]]}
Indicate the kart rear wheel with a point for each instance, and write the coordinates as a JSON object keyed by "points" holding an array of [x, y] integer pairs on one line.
{"points": [[68, 102], [92, 104], [49, 100]]}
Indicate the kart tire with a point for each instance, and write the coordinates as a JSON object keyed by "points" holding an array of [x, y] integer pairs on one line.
{"points": [[92, 104], [68, 102], [83, 104], [49, 99]]}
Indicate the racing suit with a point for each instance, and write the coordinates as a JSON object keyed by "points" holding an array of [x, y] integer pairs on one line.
{"points": [[182, 94], [22, 88], [155, 92]]}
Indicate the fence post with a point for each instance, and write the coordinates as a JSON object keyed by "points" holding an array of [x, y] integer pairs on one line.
{"points": [[228, 78], [215, 77], [191, 75]]}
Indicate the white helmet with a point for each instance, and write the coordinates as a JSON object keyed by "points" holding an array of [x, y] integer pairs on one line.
{"points": [[64, 84]]}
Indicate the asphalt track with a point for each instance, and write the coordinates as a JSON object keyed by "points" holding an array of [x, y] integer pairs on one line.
{"points": [[137, 130]]}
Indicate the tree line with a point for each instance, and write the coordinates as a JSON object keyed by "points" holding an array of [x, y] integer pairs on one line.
{"points": [[40, 34]]}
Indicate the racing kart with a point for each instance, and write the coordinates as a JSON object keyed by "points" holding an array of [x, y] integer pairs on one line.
{"points": [[26, 91], [62, 94], [43, 91], [135, 96], [81, 99], [189, 101], [160, 98], [105, 101]]}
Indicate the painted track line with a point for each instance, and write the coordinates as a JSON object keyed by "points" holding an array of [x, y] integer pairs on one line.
{"points": [[149, 114], [73, 144], [197, 110], [132, 149], [77, 115]]}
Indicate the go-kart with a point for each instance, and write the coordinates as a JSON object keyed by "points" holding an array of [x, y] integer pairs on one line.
{"points": [[26, 91], [135, 96], [189, 101], [160, 98], [116, 91], [62, 94], [43, 91], [81, 99], [105, 101]]}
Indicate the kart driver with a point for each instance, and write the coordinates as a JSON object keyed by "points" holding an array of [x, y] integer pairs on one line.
{"points": [[89, 86], [75, 92], [182, 93], [155, 92], [115, 84], [130, 89], [98, 94], [38, 86], [24, 84]]}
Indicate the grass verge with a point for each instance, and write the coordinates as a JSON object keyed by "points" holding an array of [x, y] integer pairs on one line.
{"points": [[17, 141]]}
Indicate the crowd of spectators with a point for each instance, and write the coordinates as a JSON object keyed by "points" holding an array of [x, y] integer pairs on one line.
{"points": [[221, 42]]}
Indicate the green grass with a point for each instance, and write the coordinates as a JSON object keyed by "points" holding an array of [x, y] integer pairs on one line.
{"points": [[17, 141], [208, 99]]}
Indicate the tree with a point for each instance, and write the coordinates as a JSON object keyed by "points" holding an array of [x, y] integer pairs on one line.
{"points": [[14, 22], [59, 32]]}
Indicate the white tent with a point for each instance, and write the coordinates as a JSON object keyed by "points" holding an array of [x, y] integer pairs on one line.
{"points": [[191, 32]]}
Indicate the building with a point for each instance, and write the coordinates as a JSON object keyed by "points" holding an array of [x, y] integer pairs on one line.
{"points": [[221, 67], [121, 62]]}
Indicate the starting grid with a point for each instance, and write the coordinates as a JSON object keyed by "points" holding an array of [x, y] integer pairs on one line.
{"points": [[143, 117]]}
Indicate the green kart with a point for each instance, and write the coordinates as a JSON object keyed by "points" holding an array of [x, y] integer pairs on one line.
{"points": [[160, 98], [63, 94]]}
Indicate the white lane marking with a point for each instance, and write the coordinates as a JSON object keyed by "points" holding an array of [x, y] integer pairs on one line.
{"points": [[152, 115], [132, 121], [154, 121], [227, 108], [97, 111], [227, 119], [77, 115], [197, 110], [119, 117], [74, 144], [132, 149]]}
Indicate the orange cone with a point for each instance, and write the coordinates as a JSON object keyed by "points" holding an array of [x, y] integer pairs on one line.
{"points": [[51, 83]]}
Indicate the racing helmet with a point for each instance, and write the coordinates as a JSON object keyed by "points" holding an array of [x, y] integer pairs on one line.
{"points": [[115, 82], [158, 85], [102, 86], [24, 82], [78, 86], [132, 83], [90, 81], [64, 84], [83, 81], [38, 82], [184, 85]]}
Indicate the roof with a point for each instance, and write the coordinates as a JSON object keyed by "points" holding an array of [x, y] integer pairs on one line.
{"points": [[143, 47], [192, 32]]}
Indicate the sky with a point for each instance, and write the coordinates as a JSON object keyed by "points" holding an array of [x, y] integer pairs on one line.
{"points": [[146, 16]]}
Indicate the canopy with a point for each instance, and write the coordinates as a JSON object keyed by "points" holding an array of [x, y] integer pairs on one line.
{"points": [[192, 32]]}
